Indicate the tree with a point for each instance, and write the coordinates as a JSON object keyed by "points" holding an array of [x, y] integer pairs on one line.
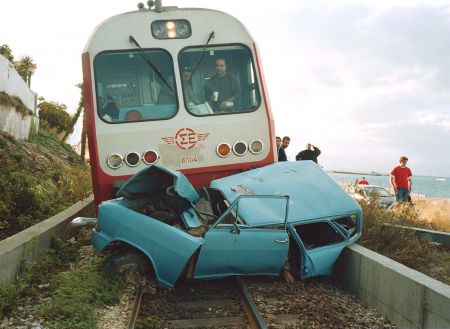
{"points": [[54, 116], [7, 52], [25, 66]]}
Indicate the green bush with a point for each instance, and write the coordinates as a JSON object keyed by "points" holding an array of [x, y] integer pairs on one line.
{"points": [[55, 116], [75, 294], [38, 181]]}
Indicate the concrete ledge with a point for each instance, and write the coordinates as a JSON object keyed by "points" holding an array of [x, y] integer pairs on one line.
{"points": [[424, 234], [406, 297], [34, 241]]}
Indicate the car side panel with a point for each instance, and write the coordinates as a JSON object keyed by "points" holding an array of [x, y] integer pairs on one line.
{"points": [[251, 251], [167, 247]]}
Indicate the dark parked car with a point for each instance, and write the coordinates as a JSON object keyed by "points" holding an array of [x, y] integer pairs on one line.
{"points": [[259, 222]]}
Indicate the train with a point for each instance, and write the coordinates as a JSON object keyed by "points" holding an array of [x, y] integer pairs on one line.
{"points": [[182, 88]]}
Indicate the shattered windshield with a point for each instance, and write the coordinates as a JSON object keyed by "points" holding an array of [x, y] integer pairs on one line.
{"points": [[219, 80]]}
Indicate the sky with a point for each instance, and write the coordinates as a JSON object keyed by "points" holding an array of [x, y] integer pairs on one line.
{"points": [[365, 81]]}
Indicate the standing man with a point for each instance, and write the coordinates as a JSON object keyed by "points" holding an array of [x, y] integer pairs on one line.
{"points": [[222, 89], [400, 180], [278, 141], [311, 153], [282, 151]]}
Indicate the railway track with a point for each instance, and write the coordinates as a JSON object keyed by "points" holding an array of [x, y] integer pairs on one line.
{"points": [[256, 302], [198, 304]]}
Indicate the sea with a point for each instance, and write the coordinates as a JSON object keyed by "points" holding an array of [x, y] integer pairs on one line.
{"points": [[422, 186]]}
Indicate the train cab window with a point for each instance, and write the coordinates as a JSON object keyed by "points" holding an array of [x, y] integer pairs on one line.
{"points": [[219, 80], [135, 85]]}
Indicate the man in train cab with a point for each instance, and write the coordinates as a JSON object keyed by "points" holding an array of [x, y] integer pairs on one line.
{"points": [[189, 94], [110, 110], [223, 89]]}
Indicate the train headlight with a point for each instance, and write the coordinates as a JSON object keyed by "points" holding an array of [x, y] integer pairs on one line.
{"points": [[183, 29], [132, 159], [158, 30], [171, 29], [150, 157], [223, 150], [256, 146], [114, 161], [240, 148]]}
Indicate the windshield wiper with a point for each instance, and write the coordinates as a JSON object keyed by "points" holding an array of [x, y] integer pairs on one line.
{"points": [[150, 63], [211, 36]]}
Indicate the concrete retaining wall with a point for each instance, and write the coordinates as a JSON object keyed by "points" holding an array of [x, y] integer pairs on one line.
{"points": [[34, 241], [406, 297], [12, 83], [15, 123]]}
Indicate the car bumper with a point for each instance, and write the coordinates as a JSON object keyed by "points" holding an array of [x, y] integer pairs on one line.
{"points": [[100, 240]]}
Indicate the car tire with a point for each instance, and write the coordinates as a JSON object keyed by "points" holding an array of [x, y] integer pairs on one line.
{"points": [[124, 262]]}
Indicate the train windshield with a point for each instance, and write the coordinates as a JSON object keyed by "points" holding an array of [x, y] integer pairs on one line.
{"points": [[135, 85], [219, 80]]}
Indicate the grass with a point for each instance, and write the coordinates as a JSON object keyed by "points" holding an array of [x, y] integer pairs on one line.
{"points": [[74, 290], [74, 296], [433, 214], [34, 273], [401, 246]]}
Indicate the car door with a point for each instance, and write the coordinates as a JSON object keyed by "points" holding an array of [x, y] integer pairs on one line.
{"points": [[234, 248], [321, 244]]}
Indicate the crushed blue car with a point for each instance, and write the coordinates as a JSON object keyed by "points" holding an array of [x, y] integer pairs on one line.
{"points": [[260, 222]]}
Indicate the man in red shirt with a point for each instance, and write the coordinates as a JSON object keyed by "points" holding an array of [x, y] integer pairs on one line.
{"points": [[401, 180], [363, 181]]}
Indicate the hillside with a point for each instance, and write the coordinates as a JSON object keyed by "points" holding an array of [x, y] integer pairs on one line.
{"points": [[38, 179]]}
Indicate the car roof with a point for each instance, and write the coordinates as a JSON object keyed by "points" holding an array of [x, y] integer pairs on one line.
{"points": [[312, 192], [370, 186]]}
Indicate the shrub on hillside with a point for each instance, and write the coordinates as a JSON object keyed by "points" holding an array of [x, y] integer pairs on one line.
{"points": [[55, 116], [38, 181]]}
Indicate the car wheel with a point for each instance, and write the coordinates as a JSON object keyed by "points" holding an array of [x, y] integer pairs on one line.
{"points": [[124, 262]]}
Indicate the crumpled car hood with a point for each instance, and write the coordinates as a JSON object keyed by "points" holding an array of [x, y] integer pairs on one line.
{"points": [[152, 179]]}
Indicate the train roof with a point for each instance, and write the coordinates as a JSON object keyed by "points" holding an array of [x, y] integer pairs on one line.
{"points": [[118, 28]]}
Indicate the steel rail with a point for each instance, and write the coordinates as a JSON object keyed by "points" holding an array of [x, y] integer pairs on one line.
{"points": [[136, 306], [254, 317]]}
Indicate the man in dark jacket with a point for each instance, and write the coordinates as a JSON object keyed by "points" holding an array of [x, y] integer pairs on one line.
{"points": [[282, 150], [311, 153]]}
